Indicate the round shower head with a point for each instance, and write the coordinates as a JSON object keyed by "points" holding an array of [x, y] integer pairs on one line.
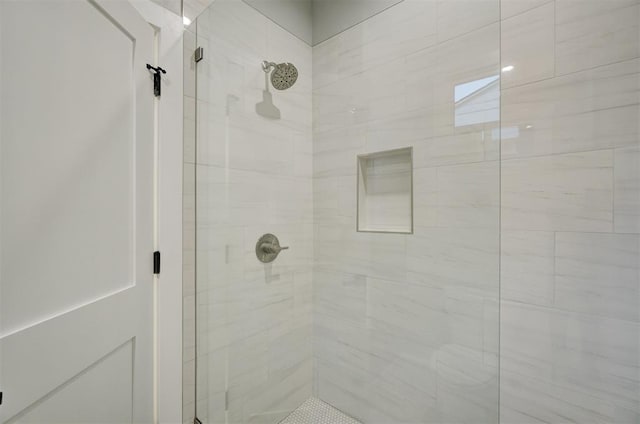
{"points": [[283, 76]]}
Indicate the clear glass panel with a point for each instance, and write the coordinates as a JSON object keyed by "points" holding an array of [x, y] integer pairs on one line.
{"points": [[253, 176], [570, 315], [406, 325]]}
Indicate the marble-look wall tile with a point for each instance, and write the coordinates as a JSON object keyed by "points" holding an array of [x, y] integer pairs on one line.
{"points": [[407, 129], [627, 190], [335, 201], [401, 330], [591, 33], [409, 311], [563, 366], [335, 151], [343, 297], [527, 44], [406, 27], [464, 148], [457, 17], [425, 197], [467, 386], [406, 326], [509, 8], [468, 195], [585, 111], [598, 274], [359, 99], [570, 192], [569, 341], [527, 262], [431, 251], [434, 72], [529, 400], [373, 254], [368, 359]]}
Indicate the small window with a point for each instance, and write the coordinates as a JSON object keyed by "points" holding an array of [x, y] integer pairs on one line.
{"points": [[477, 102]]}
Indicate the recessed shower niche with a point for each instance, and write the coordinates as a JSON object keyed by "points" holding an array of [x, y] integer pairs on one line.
{"points": [[385, 191]]}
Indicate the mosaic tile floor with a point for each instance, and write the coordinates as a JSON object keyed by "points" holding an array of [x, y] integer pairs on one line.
{"points": [[315, 411]]}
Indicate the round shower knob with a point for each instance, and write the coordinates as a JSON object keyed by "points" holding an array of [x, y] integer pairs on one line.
{"points": [[268, 248]]}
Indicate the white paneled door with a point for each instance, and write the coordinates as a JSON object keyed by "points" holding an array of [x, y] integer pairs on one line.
{"points": [[76, 212]]}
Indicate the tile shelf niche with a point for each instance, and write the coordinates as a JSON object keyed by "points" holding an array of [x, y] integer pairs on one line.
{"points": [[385, 191]]}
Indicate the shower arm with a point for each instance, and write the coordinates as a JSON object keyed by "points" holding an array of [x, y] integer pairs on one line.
{"points": [[267, 66], [266, 81]]}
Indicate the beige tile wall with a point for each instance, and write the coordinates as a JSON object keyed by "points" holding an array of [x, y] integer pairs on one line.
{"points": [[570, 340], [406, 326]]}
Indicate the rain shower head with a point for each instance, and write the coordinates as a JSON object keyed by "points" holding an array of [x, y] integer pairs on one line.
{"points": [[283, 75]]}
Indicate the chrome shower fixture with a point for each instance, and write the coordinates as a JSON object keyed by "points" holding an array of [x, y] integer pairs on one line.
{"points": [[283, 75], [268, 248]]}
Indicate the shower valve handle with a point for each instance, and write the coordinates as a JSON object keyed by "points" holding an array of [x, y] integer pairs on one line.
{"points": [[268, 248], [272, 248]]}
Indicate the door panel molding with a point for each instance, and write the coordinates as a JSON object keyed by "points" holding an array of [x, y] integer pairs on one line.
{"points": [[47, 354]]}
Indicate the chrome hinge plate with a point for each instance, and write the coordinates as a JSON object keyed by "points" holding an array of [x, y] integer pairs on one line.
{"points": [[198, 55]]}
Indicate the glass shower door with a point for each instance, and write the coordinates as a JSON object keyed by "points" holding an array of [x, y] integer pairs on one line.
{"points": [[253, 177]]}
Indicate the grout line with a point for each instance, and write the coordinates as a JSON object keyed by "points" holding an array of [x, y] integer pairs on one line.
{"points": [[555, 242], [409, 54], [524, 11], [524, 230], [558, 309], [551, 155], [613, 190], [573, 73]]}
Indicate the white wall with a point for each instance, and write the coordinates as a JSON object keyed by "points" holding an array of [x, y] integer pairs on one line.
{"points": [[168, 286]]}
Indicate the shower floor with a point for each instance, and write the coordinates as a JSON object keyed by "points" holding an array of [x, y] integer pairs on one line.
{"points": [[315, 411]]}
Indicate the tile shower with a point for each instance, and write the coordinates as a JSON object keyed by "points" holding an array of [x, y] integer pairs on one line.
{"points": [[514, 298]]}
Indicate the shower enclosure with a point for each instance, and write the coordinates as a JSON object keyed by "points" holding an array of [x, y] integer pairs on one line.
{"points": [[456, 185]]}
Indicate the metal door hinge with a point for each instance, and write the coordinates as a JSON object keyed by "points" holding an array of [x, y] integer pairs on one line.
{"points": [[0, 398], [156, 262], [157, 79], [198, 55]]}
